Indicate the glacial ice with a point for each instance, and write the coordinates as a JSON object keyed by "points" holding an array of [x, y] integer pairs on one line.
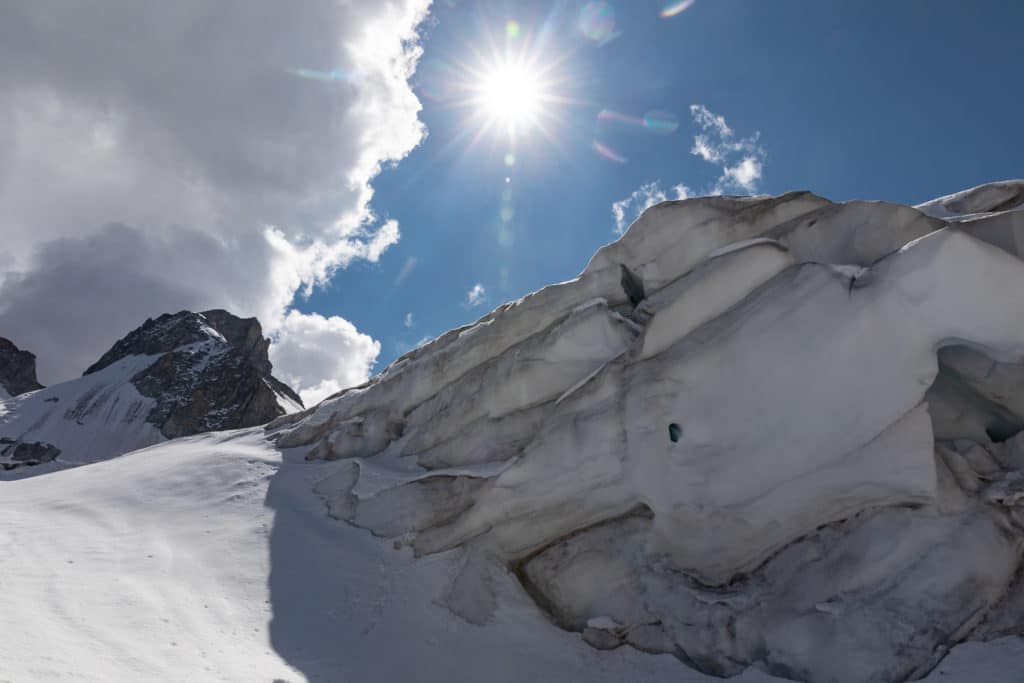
{"points": [[1007, 195], [799, 450]]}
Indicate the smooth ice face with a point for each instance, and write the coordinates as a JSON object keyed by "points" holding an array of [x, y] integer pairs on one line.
{"points": [[726, 403], [1007, 195], [717, 286]]}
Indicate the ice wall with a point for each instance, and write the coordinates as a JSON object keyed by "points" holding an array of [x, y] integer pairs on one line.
{"points": [[774, 430]]}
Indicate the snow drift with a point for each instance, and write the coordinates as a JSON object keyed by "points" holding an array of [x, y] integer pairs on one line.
{"points": [[770, 431], [208, 558]]}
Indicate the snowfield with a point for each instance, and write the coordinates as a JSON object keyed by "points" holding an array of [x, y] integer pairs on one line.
{"points": [[207, 559]]}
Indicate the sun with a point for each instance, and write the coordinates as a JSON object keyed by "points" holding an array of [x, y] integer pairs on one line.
{"points": [[510, 89], [511, 95]]}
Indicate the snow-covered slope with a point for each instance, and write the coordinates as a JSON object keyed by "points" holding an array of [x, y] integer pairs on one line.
{"points": [[769, 431], [176, 375], [208, 559], [84, 420]]}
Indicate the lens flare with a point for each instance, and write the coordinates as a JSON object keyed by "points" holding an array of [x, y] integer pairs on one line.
{"points": [[663, 122], [609, 116], [597, 22], [436, 80], [671, 9], [512, 29], [608, 153], [506, 237]]}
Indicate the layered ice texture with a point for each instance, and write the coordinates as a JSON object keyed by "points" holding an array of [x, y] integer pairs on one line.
{"points": [[770, 431]]}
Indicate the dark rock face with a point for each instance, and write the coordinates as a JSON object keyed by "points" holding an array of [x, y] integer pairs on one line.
{"points": [[164, 334], [213, 374], [245, 334], [26, 453], [17, 369]]}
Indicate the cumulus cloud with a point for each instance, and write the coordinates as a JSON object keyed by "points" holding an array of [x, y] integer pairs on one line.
{"points": [[476, 295], [161, 156], [745, 174], [627, 210], [319, 356], [741, 160]]}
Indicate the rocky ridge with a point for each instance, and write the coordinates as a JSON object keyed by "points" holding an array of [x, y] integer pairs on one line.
{"points": [[17, 369], [176, 375], [213, 372], [755, 431]]}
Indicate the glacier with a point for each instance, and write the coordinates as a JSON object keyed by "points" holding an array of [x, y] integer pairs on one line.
{"points": [[777, 432]]}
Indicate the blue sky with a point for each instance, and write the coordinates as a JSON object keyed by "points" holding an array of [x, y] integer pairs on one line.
{"points": [[900, 101]]}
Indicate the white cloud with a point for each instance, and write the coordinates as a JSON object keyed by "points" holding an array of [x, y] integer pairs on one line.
{"points": [[741, 159], [627, 210], [408, 320], [745, 174], [476, 295], [710, 121], [319, 356], [185, 164], [383, 238]]}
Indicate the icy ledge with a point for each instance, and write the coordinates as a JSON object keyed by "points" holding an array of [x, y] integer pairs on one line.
{"points": [[771, 431]]}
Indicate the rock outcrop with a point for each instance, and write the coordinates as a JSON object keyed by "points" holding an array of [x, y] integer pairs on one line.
{"points": [[20, 453], [176, 375], [213, 372], [17, 369], [769, 431]]}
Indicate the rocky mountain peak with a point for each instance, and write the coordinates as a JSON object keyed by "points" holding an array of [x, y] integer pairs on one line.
{"points": [[245, 334], [172, 331], [175, 375], [17, 369], [213, 372]]}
